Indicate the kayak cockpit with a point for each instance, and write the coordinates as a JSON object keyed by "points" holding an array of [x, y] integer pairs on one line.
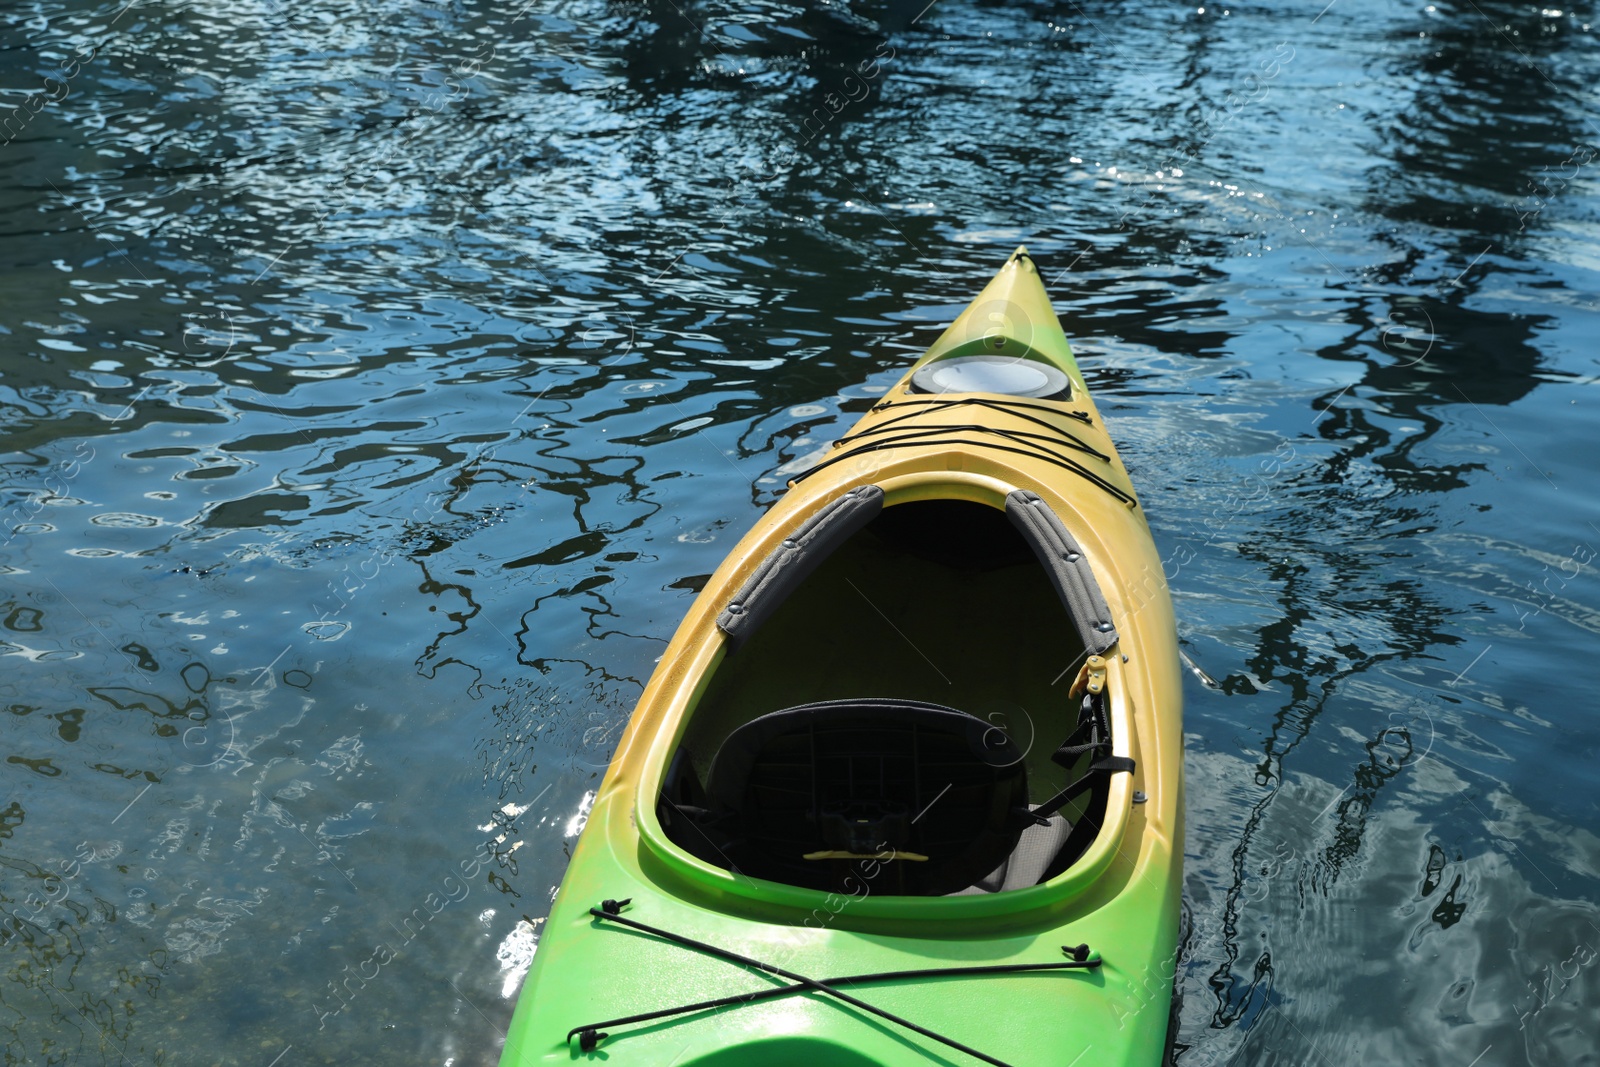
{"points": [[896, 711]]}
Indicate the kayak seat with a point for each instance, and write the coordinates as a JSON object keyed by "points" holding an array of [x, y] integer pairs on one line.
{"points": [[885, 795], [1029, 863]]}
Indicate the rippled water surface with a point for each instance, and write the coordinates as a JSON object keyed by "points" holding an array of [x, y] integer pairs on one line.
{"points": [[381, 379]]}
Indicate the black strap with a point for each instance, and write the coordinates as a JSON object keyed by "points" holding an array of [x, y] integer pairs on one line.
{"points": [[590, 1036], [1068, 754], [1091, 734], [1102, 768]]}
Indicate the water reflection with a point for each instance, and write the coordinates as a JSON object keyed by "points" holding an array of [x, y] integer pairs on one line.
{"points": [[1340, 616], [381, 381]]}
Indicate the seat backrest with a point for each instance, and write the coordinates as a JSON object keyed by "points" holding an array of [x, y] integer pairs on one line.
{"points": [[854, 778]]}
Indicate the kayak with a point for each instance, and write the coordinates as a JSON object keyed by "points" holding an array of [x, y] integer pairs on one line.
{"points": [[906, 786]]}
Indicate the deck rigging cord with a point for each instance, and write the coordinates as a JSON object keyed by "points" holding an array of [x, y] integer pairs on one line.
{"points": [[1019, 436], [1007, 405], [590, 1035], [924, 435], [1059, 461], [1014, 408]]}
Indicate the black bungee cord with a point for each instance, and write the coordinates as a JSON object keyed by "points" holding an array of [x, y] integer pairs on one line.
{"points": [[590, 1035], [1033, 453]]}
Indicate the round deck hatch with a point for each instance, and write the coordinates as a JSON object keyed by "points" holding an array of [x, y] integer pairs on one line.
{"points": [[1007, 375]]}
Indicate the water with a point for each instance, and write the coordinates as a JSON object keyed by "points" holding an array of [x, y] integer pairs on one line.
{"points": [[381, 379]]}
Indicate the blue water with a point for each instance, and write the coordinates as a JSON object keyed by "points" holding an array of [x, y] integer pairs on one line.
{"points": [[380, 380]]}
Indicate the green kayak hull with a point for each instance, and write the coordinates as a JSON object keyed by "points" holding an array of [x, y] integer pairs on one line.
{"points": [[707, 933]]}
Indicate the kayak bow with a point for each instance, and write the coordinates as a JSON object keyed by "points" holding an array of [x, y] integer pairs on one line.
{"points": [[906, 787]]}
